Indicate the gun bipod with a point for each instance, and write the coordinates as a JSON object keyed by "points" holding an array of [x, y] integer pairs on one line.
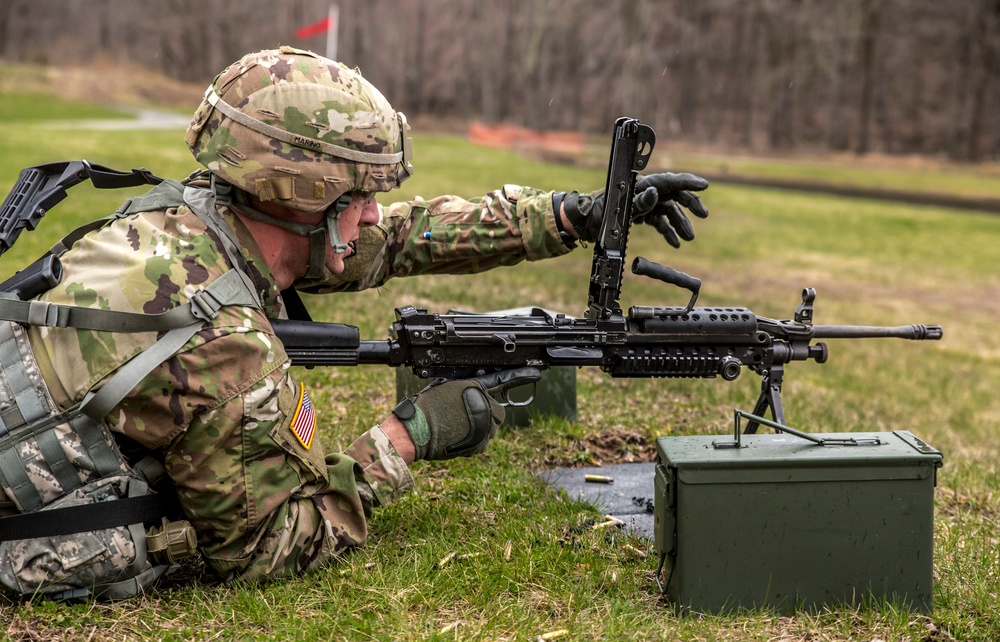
{"points": [[770, 397]]}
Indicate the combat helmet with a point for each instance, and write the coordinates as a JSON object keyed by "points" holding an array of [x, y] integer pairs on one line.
{"points": [[295, 128]]}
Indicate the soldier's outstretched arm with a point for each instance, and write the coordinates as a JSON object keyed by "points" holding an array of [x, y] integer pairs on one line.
{"points": [[452, 235]]}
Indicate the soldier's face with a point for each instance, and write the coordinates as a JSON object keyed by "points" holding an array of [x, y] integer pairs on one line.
{"points": [[362, 212]]}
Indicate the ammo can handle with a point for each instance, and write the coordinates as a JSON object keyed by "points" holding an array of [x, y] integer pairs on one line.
{"points": [[820, 441]]}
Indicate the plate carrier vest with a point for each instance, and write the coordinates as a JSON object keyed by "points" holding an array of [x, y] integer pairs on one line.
{"points": [[79, 508]]}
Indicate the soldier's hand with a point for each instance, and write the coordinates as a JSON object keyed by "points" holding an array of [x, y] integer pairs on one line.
{"points": [[458, 418], [658, 201]]}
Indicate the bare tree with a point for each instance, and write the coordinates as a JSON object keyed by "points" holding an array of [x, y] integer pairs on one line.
{"points": [[909, 76]]}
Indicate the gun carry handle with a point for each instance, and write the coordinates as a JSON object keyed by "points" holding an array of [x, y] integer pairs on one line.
{"points": [[653, 270]]}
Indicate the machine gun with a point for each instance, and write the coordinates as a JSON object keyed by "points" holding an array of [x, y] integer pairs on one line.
{"points": [[689, 341]]}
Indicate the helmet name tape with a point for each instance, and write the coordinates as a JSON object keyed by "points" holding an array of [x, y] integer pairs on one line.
{"points": [[306, 142]]}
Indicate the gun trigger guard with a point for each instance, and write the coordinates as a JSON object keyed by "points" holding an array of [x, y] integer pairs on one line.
{"points": [[507, 402]]}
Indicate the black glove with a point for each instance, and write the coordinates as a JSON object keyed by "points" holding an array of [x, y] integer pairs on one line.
{"points": [[657, 202], [458, 418]]}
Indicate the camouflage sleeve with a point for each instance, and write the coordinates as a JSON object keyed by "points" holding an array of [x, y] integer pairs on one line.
{"points": [[385, 476], [264, 497], [450, 235]]}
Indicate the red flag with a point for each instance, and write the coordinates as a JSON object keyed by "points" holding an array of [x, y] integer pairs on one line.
{"points": [[309, 31]]}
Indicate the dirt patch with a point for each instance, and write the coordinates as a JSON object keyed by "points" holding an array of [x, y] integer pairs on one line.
{"points": [[610, 446], [104, 82], [129, 85]]}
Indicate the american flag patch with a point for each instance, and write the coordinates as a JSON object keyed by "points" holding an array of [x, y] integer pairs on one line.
{"points": [[304, 419]]}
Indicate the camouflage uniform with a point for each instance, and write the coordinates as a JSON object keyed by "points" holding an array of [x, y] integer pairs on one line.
{"points": [[224, 413], [219, 411]]}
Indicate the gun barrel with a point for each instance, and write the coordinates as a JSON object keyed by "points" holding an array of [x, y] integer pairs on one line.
{"points": [[916, 332]]}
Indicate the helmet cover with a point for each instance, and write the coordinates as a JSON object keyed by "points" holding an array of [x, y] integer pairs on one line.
{"points": [[298, 129]]}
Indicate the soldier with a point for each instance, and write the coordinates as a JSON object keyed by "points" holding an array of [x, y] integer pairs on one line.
{"points": [[295, 148]]}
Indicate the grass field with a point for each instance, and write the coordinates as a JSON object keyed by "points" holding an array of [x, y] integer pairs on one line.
{"points": [[870, 263]]}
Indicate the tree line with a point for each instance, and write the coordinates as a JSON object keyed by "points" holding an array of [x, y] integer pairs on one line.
{"points": [[892, 76]]}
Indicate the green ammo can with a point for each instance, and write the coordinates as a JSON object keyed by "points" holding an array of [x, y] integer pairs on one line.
{"points": [[790, 520]]}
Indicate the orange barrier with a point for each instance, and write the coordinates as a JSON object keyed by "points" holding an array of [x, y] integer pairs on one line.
{"points": [[512, 136]]}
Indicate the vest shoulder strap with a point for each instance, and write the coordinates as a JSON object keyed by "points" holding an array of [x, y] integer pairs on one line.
{"points": [[168, 193], [229, 289]]}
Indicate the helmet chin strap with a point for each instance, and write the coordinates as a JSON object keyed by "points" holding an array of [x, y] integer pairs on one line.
{"points": [[319, 235], [332, 229]]}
